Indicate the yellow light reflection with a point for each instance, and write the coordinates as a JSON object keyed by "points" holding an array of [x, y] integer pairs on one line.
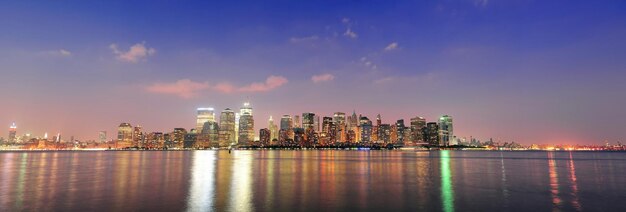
{"points": [[201, 190], [241, 184], [572, 172], [554, 181]]}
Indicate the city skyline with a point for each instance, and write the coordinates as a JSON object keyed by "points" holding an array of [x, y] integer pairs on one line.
{"points": [[555, 76]]}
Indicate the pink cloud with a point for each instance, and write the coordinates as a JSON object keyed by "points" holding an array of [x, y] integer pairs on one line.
{"points": [[135, 54], [184, 88], [270, 83], [322, 78]]}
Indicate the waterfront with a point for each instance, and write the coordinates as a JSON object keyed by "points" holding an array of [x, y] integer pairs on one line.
{"points": [[321, 180]]}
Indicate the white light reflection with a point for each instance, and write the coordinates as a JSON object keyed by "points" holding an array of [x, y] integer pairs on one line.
{"points": [[201, 190], [241, 184]]}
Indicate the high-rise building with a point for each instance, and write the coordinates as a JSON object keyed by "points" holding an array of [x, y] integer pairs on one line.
{"points": [[178, 137], [13, 133], [264, 136], [137, 136], [209, 134], [340, 123], [384, 133], [327, 135], [124, 135], [365, 126], [431, 133], [400, 131], [227, 128], [446, 136], [273, 130], [204, 114], [296, 122], [316, 124], [286, 125], [417, 129], [246, 125], [308, 120], [102, 136]]}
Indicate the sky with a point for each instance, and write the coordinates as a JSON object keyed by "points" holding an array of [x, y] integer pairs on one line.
{"points": [[528, 71]]}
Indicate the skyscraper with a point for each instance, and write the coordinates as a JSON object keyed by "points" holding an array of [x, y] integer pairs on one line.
{"points": [[417, 129], [296, 122], [273, 130], [124, 135], [204, 115], [210, 134], [445, 131], [431, 133], [246, 125], [286, 125], [327, 134], [340, 124], [12, 133], [366, 129], [400, 131], [264, 136], [137, 136], [308, 120], [227, 128]]}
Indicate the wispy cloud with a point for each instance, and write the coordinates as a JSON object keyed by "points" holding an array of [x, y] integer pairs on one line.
{"points": [[186, 88], [270, 83], [368, 63], [481, 3], [303, 39], [348, 33], [59, 53], [136, 53], [322, 78], [391, 46]]}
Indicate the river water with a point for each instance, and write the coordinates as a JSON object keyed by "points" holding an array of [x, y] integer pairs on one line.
{"points": [[318, 180]]}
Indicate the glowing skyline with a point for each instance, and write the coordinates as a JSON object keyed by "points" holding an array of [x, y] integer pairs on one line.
{"points": [[529, 72]]}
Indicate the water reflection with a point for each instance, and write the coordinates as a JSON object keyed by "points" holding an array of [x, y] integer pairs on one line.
{"points": [[241, 184], [574, 184], [554, 182], [505, 189], [201, 190], [447, 192]]}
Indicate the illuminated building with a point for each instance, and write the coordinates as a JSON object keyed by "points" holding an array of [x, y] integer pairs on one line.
{"points": [[178, 137], [384, 133], [400, 131], [431, 133], [296, 121], [227, 128], [308, 120], [12, 133], [137, 136], [204, 115], [190, 138], [264, 136], [340, 123], [124, 135], [299, 136], [286, 125], [417, 128], [246, 125], [209, 134], [102, 135], [316, 124], [366, 129], [327, 135], [273, 129], [446, 136]]}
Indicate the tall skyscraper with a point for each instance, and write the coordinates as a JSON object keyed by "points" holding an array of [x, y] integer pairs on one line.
{"points": [[327, 134], [264, 136], [366, 129], [286, 125], [137, 136], [13, 133], [124, 135], [227, 128], [178, 137], [210, 134], [417, 129], [308, 120], [246, 125], [204, 115], [400, 131], [431, 132], [340, 124], [445, 131], [273, 129], [296, 122]]}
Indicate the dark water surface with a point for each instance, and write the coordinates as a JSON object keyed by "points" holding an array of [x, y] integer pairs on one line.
{"points": [[312, 181]]}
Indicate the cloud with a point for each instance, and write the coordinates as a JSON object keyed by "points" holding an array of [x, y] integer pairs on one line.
{"points": [[345, 20], [184, 88], [135, 54], [349, 33], [59, 53], [481, 3], [391, 46], [270, 83], [322, 78], [368, 63], [303, 39]]}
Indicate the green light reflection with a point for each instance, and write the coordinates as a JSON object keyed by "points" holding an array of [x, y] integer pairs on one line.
{"points": [[447, 192]]}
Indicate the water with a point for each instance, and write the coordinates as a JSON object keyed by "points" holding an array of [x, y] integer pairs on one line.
{"points": [[312, 181]]}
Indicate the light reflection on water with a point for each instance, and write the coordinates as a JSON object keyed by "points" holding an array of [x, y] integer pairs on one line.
{"points": [[311, 181]]}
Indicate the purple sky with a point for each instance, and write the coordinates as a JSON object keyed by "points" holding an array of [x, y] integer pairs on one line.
{"points": [[525, 71]]}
